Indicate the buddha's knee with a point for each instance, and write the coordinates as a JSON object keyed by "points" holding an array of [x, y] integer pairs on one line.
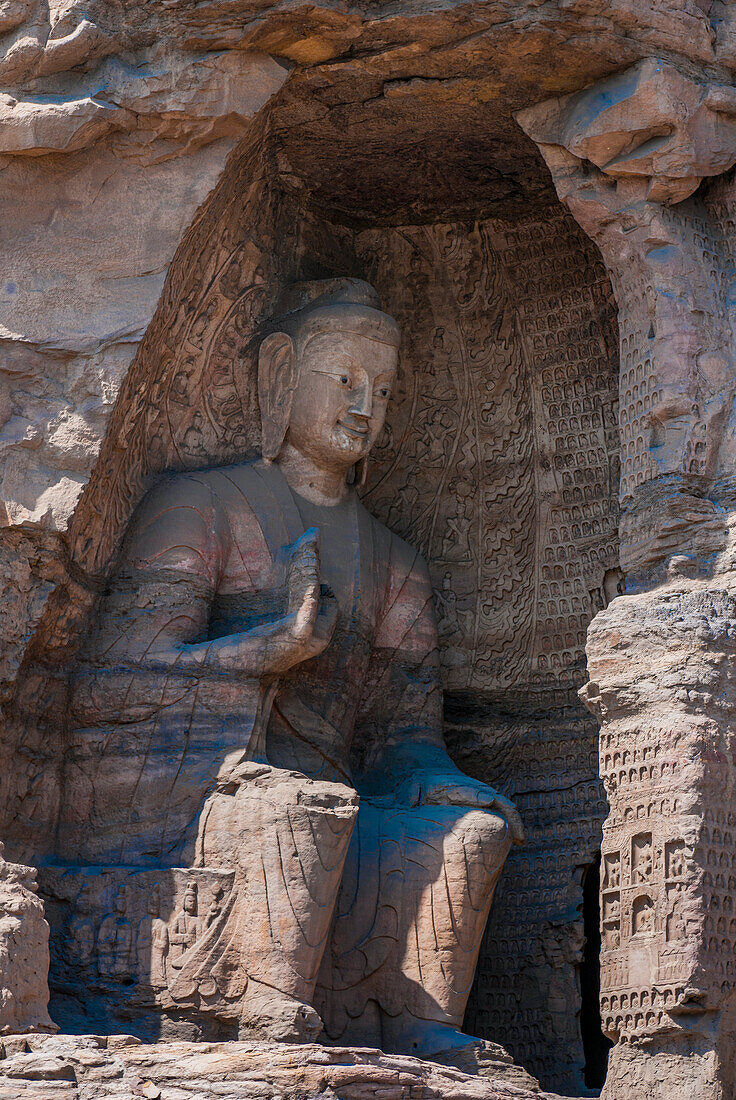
{"points": [[261, 802], [480, 837], [284, 790]]}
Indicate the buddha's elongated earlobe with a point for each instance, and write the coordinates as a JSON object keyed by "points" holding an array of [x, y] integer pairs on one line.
{"points": [[277, 378], [361, 472]]}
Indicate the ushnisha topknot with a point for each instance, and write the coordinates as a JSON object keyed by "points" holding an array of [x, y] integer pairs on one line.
{"points": [[344, 305], [316, 293]]}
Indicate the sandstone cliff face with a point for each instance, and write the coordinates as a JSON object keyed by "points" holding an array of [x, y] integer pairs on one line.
{"points": [[116, 123], [162, 163]]}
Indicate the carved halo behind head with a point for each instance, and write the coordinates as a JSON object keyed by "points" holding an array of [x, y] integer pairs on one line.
{"points": [[305, 309]]}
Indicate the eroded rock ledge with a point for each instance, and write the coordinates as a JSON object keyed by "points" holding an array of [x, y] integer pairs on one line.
{"points": [[119, 1067]]}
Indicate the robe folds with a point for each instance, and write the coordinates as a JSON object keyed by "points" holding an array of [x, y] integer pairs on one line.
{"points": [[346, 891]]}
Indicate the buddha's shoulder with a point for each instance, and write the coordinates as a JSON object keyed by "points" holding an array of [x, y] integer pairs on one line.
{"points": [[203, 500], [213, 483]]}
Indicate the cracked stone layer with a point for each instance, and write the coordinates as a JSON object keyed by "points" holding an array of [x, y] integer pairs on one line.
{"points": [[118, 1067]]}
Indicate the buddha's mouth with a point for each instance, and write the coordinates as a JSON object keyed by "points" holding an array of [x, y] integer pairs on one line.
{"points": [[360, 433]]}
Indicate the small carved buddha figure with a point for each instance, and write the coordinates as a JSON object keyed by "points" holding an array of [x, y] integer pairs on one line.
{"points": [[186, 927], [152, 943], [215, 906], [80, 941], [644, 864], [262, 695], [115, 940]]}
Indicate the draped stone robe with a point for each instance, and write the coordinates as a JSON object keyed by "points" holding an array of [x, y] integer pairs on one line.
{"points": [[176, 768]]}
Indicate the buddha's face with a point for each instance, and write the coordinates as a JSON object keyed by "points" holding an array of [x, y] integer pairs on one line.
{"points": [[344, 385]]}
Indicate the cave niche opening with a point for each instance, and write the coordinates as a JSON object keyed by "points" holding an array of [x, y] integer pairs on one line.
{"points": [[499, 462]]}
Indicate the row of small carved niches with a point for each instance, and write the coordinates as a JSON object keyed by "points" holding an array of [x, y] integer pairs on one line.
{"points": [[630, 770], [647, 919], [715, 857], [697, 880], [127, 932], [647, 910]]}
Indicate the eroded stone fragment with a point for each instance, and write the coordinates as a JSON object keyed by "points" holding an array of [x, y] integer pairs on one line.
{"points": [[24, 952]]}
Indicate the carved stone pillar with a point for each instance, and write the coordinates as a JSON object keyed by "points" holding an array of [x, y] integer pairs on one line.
{"points": [[627, 157]]}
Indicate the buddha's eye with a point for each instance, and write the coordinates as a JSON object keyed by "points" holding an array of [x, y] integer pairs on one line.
{"points": [[344, 380], [383, 392]]}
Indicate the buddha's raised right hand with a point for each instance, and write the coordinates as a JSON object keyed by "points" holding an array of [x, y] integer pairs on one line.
{"points": [[307, 628], [273, 647]]}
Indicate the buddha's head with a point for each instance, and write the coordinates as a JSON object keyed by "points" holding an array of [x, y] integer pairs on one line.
{"points": [[325, 373], [83, 903], [190, 899]]}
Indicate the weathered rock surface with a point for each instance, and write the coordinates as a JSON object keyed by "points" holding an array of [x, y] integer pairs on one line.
{"points": [[118, 1067], [651, 122], [111, 214], [24, 952]]}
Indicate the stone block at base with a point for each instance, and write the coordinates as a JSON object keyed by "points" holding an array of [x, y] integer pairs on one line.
{"points": [[119, 1067]]}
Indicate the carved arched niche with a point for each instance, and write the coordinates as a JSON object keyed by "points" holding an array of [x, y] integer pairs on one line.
{"points": [[499, 461]]}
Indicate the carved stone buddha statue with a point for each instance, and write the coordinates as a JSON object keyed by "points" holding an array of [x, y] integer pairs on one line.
{"points": [[261, 696]]}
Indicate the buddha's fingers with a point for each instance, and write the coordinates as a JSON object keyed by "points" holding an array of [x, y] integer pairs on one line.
{"points": [[509, 811], [303, 581], [306, 615], [324, 623]]}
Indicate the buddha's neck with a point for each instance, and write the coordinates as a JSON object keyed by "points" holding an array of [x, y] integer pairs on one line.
{"points": [[314, 483]]}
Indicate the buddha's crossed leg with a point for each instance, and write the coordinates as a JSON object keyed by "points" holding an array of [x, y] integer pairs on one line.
{"points": [[416, 892], [285, 836]]}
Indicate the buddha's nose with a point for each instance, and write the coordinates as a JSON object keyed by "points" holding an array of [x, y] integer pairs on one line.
{"points": [[362, 404]]}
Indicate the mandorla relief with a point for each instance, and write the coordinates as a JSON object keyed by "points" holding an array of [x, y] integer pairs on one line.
{"points": [[260, 824]]}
